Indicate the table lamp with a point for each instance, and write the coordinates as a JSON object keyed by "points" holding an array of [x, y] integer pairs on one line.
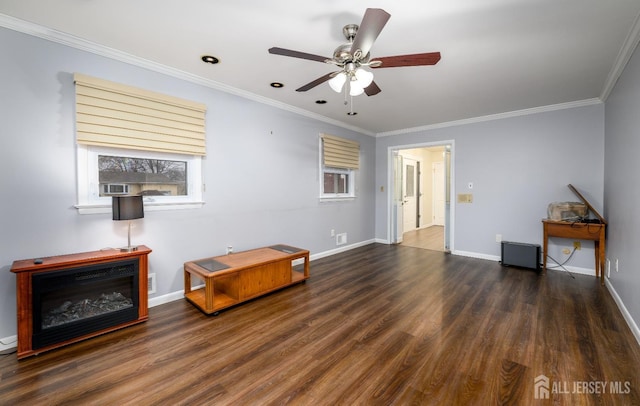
{"points": [[127, 208]]}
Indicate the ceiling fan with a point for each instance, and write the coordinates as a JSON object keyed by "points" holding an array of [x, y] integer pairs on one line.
{"points": [[354, 55]]}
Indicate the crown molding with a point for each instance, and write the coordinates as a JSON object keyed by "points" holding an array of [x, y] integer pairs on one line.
{"points": [[500, 116], [36, 30], [59, 37], [626, 51]]}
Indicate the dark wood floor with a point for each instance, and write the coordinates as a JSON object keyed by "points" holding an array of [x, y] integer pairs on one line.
{"points": [[376, 325]]}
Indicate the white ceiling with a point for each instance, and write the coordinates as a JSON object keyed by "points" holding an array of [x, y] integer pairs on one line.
{"points": [[498, 56]]}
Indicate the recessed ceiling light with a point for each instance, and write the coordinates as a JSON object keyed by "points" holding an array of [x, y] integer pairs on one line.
{"points": [[210, 59], [352, 113], [277, 85], [321, 101]]}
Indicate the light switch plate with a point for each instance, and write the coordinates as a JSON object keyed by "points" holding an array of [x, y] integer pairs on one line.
{"points": [[465, 198]]}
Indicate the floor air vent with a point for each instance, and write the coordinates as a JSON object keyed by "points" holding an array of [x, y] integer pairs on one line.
{"points": [[521, 255]]}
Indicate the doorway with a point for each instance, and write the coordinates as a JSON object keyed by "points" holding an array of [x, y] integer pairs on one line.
{"points": [[420, 209]]}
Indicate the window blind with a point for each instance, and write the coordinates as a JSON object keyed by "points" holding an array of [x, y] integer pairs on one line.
{"points": [[339, 152], [114, 115]]}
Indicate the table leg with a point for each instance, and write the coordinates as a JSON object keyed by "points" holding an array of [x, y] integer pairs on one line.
{"points": [[208, 294], [306, 266], [187, 282], [596, 249], [602, 250], [545, 239]]}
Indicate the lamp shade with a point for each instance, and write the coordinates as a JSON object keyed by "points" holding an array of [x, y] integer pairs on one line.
{"points": [[127, 207], [337, 82], [364, 77], [355, 89]]}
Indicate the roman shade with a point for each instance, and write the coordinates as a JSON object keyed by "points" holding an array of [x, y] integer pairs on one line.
{"points": [[114, 115], [339, 152]]}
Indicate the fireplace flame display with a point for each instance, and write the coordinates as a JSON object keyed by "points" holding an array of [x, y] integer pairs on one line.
{"points": [[69, 311], [71, 303]]}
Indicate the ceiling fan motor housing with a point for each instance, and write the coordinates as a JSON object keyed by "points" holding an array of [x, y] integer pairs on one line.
{"points": [[342, 54]]}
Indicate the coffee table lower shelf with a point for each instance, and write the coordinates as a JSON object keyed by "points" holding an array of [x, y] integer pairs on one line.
{"points": [[198, 297]]}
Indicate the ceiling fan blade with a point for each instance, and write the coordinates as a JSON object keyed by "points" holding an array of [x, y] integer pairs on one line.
{"points": [[372, 89], [316, 82], [297, 54], [430, 58], [372, 24]]}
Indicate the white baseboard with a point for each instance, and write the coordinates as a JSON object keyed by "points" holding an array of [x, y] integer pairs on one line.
{"points": [[497, 258], [623, 309], [169, 297], [476, 255], [319, 255]]}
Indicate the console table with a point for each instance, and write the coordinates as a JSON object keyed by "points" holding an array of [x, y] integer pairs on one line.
{"points": [[577, 231], [234, 278], [594, 231]]}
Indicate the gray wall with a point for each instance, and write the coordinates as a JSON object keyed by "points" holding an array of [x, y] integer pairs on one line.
{"points": [[261, 173], [518, 166], [622, 185]]}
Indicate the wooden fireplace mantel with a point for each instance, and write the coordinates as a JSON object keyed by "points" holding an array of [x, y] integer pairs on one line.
{"points": [[26, 268]]}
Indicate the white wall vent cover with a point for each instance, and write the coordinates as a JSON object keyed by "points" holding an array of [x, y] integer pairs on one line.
{"points": [[341, 239]]}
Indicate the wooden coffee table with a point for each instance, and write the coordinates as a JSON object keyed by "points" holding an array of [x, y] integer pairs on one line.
{"points": [[238, 277]]}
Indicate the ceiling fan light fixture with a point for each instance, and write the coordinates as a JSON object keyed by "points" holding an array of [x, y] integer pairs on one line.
{"points": [[364, 77], [355, 88], [337, 82]]}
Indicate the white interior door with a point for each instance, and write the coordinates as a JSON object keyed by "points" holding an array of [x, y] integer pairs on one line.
{"points": [[397, 221], [438, 193], [409, 203]]}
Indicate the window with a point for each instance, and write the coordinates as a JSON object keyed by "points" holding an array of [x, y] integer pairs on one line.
{"points": [[338, 161], [146, 177], [134, 141], [167, 181], [337, 181]]}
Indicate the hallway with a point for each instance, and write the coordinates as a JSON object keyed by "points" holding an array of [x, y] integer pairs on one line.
{"points": [[430, 238]]}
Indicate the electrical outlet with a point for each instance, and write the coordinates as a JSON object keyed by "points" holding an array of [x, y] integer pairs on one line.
{"points": [[577, 245], [566, 251], [229, 249], [333, 232], [498, 237]]}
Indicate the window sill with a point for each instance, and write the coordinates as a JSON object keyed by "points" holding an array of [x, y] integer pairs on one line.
{"points": [[148, 206], [337, 199]]}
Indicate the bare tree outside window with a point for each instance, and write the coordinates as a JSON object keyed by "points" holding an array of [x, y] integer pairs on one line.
{"points": [[140, 176]]}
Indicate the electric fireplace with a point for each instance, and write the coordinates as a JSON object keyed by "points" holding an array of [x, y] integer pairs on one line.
{"points": [[69, 298]]}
